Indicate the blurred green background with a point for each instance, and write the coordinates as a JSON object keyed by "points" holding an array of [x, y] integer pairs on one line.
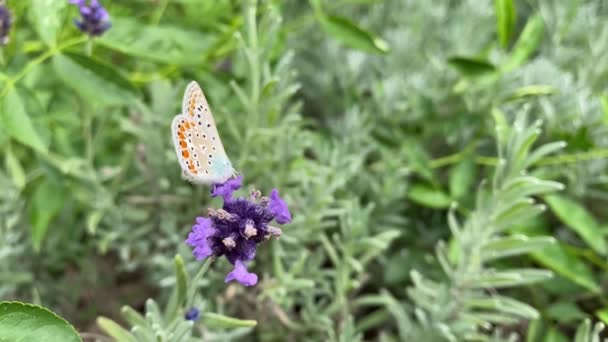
{"points": [[371, 117]]}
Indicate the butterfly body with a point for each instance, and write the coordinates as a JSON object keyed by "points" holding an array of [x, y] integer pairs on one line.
{"points": [[197, 143]]}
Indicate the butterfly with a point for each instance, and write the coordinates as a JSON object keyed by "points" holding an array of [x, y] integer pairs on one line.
{"points": [[198, 146]]}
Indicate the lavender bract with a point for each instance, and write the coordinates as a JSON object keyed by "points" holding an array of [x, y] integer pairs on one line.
{"points": [[95, 19], [5, 24], [235, 230]]}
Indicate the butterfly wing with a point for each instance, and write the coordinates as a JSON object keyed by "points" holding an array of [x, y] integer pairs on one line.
{"points": [[197, 143]]}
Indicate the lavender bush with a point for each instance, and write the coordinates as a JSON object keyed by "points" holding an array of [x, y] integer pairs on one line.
{"points": [[436, 171]]}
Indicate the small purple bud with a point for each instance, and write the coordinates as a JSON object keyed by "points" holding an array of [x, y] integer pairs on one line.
{"points": [[95, 19], [192, 314], [5, 24]]}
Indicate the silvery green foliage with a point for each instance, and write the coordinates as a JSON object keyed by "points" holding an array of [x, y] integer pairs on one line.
{"points": [[588, 333], [466, 304], [13, 270], [174, 322]]}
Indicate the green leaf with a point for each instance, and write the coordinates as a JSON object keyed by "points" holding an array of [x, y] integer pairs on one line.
{"points": [[556, 258], [352, 35], [429, 197], [14, 168], [554, 335], [530, 91], [113, 329], [565, 312], [93, 79], [471, 66], [505, 20], [47, 201], [514, 245], [604, 103], [514, 277], [28, 322], [462, 177], [47, 18], [17, 123], [182, 280], [583, 333], [505, 305], [217, 321], [528, 42], [165, 44], [579, 220]]}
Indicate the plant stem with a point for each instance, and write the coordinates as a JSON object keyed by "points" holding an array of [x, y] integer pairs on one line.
{"points": [[194, 283]]}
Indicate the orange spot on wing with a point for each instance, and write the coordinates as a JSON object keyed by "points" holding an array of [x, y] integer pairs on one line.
{"points": [[185, 154], [183, 143], [181, 135]]}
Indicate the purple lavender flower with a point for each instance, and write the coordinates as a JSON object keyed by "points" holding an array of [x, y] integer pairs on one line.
{"points": [[192, 314], [5, 24], [235, 230], [95, 19]]}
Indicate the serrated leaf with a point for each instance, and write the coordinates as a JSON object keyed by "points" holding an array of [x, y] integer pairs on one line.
{"points": [[28, 322], [505, 20], [217, 321], [344, 30], [577, 218], [17, 123], [47, 202], [93, 80], [429, 197], [176, 46], [47, 18]]}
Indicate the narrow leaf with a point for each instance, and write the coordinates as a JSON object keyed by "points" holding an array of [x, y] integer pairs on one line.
{"points": [[499, 279], [471, 66], [528, 42], [14, 168], [429, 197], [505, 20], [217, 321], [352, 35], [47, 202], [113, 329], [577, 218], [462, 177], [514, 245], [182, 280], [567, 265]]}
